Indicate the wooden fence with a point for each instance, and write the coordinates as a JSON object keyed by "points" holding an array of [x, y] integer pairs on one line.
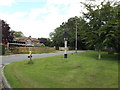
{"points": [[34, 49]]}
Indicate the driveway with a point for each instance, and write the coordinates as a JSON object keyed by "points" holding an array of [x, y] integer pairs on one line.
{"points": [[18, 57]]}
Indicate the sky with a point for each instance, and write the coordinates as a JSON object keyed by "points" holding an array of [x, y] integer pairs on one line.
{"points": [[39, 17]]}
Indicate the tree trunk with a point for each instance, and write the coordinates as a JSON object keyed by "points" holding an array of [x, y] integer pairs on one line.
{"points": [[99, 54]]}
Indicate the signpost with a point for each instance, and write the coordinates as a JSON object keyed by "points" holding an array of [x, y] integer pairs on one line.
{"points": [[65, 41]]}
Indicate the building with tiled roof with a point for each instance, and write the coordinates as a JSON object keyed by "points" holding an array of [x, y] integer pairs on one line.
{"points": [[25, 41]]}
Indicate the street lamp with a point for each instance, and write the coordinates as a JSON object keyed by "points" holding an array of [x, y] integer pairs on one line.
{"points": [[65, 42]]}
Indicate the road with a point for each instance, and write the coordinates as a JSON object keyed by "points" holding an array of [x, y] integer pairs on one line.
{"points": [[19, 57]]}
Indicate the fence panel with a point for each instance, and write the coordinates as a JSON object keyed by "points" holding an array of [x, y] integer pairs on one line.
{"points": [[36, 49]]}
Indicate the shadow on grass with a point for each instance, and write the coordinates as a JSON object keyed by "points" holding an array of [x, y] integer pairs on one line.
{"points": [[104, 55], [110, 57]]}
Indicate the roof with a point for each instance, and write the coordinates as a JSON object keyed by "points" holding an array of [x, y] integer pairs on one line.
{"points": [[25, 38]]}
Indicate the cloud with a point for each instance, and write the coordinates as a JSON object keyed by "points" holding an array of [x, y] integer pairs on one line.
{"points": [[39, 22], [52, 15], [31, 0], [34, 13], [6, 2]]}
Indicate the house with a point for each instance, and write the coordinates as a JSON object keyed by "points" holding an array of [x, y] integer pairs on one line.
{"points": [[25, 41]]}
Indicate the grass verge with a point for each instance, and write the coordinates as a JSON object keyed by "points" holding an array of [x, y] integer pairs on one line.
{"points": [[79, 70], [38, 52]]}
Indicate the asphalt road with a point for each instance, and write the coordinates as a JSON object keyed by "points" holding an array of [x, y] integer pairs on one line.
{"points": [[18, 57]]}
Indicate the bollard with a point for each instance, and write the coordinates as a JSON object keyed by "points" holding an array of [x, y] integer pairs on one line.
{"points": [[30, 56]]}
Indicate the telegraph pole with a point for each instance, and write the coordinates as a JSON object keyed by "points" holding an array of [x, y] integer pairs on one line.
{"points": [[76, 39]]}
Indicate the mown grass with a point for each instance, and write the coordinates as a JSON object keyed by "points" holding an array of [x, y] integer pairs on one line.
{"points": [[79, 70]]}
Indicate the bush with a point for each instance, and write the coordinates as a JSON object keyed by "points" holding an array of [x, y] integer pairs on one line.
{"points": [[71, 48], [2, 49]]}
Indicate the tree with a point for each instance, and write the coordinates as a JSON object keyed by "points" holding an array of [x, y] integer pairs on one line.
{"points": [[17, 33], [70, 28], [101, 29], [7, 35], [57, 36], [45, 41]]}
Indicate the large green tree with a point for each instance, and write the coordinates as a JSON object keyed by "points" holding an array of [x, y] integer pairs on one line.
{"points": [[70, 27], [45, 41], [102, 25]]}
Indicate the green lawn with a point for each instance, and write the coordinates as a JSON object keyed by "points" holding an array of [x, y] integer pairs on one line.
{"points": [[80, 70]]}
